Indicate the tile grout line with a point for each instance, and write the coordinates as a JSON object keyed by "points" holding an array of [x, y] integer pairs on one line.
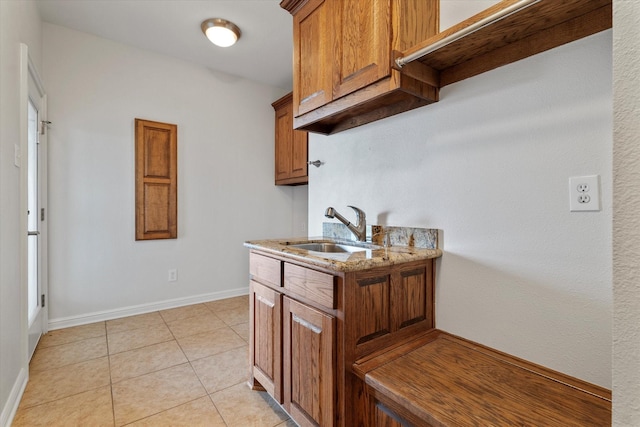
{"points": [[111, 383], [188, 361], [113, 404], [67, 365], [138, 376], [207, 394]]}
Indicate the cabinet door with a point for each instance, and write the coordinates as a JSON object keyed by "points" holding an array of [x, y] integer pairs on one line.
{"points": [[363, 30], [284, 142], [266, 338], [299, 156], [309, 376], [290, 146], [313, 38]]}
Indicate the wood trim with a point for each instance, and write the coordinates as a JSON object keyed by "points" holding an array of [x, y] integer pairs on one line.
{"points": [[156, 180], [292, 6], [374, 102]]}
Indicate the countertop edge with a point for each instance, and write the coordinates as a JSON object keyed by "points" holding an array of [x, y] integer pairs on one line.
{"points": [[371, 258]]}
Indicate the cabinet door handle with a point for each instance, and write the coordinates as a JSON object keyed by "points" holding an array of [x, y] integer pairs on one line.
{"points": [[265, 301], [33, 233], [306, 324]]}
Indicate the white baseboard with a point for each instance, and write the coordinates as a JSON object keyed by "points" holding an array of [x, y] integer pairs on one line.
{"points": [[11, 406], [99, 316]]}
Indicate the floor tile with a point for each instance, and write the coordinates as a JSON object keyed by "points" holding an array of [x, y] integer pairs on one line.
{"points": [[199, 412], [136, 338], [184, 312], [234, 316], [134, 363], [242, 329], [134, 322], [210, 343], [136, 370], [75, 333], [67, 354], [53, 384], [91, 408], [223, 370], [140, 397], [242, 407], [195, 325], [228, 304]]}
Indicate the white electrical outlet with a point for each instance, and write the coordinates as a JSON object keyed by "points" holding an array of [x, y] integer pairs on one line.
{"points": [[584, 193], [173, 275]]}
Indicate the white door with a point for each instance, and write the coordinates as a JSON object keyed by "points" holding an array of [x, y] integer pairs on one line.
{"points": [[35, 163]]}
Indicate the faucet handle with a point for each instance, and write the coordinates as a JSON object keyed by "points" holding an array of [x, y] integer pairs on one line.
{"points": [[360, 215]]}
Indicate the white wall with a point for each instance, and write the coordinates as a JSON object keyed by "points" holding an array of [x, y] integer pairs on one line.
{"points": [[226, 191], [19, 23], [626, 214], [489, 164], [455, 11]]}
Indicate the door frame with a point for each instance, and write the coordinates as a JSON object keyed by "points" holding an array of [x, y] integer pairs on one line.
{"points": [[28, 71]]}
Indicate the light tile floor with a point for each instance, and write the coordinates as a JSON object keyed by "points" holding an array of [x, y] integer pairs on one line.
{"points": [[186, 366]]}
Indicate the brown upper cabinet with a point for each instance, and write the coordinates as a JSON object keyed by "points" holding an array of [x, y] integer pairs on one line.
{"points": [[345, 72], [290, 146], [342, 60]]}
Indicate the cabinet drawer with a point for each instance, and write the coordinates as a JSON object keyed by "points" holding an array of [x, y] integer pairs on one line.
{"points": [[265, 270], [310, 284]]}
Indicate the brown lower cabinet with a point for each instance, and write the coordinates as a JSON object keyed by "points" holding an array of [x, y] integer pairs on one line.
{"points": [[310, 324], [309, 366], [266, 339]]}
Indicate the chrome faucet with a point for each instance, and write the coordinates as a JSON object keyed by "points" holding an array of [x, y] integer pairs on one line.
{"points": [[359, 229]]}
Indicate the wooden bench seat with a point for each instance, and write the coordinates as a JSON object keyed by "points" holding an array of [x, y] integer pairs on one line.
{"points": [[442, 380]]}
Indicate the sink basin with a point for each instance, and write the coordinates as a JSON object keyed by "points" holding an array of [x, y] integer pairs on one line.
{"points": [[328, 247]]}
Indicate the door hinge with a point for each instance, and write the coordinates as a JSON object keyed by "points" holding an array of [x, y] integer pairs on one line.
{"points": [[44, 124], [42, 301], [41, 214]]}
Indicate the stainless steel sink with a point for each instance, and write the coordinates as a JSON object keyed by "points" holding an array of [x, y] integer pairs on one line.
{"points": [[327, 247]]}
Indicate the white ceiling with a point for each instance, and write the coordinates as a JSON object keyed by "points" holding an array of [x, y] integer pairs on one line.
{"points": [[172, 27]]}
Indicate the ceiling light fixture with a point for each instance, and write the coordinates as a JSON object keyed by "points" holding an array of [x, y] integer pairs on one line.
{"points": [[220, 32]]}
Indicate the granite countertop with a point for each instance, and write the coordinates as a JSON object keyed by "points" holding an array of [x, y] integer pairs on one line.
{"points": [[376, 254]]}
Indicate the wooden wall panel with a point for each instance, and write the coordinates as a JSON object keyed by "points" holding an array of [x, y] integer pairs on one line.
{"points": [[409, 301], [372, 298], [156, 150]]}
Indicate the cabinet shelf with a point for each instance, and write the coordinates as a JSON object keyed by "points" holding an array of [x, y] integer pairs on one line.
{"points": [[535, 28]]}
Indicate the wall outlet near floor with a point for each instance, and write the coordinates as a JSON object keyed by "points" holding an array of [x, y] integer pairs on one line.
{"points": [[173, 275], [584, 193]]}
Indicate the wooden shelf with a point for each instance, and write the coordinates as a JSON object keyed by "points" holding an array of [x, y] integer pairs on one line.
{"points": [[534, 29]]}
